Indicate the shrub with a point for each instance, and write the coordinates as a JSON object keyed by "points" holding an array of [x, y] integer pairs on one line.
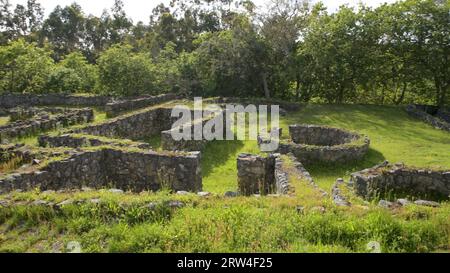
{"points": [[122, 72]]}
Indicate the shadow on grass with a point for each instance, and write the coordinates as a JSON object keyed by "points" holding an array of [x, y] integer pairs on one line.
{"points": [[320, 170], [217, 153]]}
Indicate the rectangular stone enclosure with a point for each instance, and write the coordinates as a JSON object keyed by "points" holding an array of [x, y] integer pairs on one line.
{"points": [[107, 167]]}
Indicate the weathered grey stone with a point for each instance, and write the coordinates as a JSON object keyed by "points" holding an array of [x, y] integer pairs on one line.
{"points": [[318, 209], [12, 100], [44, 123], [176, 204], [256, 174], [312, 143], [115, 108], [204, 194], [39, 203], [403, 202], [65, 203], [231, 194], [4, 203], [427, 203], [300, 209], [401, 180], [182, 193], [136, 171], [116, 191], [441, 119], [386, 204], [95, 201], [338, 198], [151, 206]]}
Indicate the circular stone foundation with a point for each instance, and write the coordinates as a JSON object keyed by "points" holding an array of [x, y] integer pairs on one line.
{"points": [[313, 143]]}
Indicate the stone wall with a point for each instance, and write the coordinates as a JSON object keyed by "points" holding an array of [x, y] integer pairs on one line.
{"points": [[127, 170], [288, 106], [422, 112], [282, 185], [14, 100], [338, 146], [114, 109], [24, 113], [169, 144], [320, 135], [256, 174], [44, 123], [401, 181], [135, 126], [77, 141]]}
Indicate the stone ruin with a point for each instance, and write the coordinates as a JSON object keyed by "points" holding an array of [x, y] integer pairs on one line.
{"points": [[262, 175], [123, 161], [437, 117], [112, 167], [30, 121], [312, 143], [398, 180]]}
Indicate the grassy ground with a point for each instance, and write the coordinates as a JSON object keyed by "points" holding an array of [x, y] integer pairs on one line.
{"points": [[4, 120], [125, 223], [394, 136]]}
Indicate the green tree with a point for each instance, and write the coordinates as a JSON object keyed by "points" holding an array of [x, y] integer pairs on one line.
{"points": [[24, 67], [122, 72]]}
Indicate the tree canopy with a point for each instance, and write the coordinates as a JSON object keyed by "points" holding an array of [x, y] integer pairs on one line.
{"points": [[395, 53]]}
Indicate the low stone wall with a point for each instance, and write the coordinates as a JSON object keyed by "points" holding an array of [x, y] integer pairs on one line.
{"points": [[126, 170], [320, 135], [422, 112], [24, 113], [9, 152], [401, 181], [169, 144], [44, 123], [135, 126], [77, 141], [14, 100], [282, 185], [338, 146], [114, 109], [256, 174], [288, 106]]}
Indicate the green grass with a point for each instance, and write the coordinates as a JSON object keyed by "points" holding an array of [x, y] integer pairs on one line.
{"points": [[394, 136], [4, 121], [122, 223]]}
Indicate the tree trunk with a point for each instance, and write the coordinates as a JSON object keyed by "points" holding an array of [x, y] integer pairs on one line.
{"points": [[402, 96], [265, 85]]}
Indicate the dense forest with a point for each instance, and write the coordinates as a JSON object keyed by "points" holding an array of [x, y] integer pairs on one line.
{"points": [[393, 54]]}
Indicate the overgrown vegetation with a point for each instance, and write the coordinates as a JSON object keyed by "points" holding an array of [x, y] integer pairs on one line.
{"points": [[396, 53], [126, 223]]}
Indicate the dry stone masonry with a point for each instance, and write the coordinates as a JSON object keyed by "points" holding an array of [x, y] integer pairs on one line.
{"points": [[44, 122], [262, 175], [437, 117], [312, 143], [115, 108], [401, 181], [121, 169], [14, 100]]}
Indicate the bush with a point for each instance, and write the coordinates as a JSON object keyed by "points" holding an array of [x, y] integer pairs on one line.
{"points": [[87, 73], [124, 73], [63, 79], [24, 67]]}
